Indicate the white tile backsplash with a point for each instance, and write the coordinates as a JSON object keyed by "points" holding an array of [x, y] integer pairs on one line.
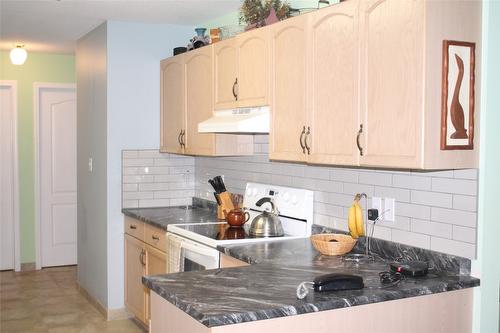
{"points": [[428, 203], [434, 210], [153, 179]]}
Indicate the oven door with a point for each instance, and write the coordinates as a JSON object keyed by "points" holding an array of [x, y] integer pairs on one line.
{"points": [[197, 257]]}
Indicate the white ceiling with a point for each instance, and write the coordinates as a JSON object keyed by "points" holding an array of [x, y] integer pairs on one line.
{"points": [[55, 25]]}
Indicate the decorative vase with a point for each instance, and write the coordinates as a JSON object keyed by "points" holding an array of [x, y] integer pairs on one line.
{"points": [[200, 32]]}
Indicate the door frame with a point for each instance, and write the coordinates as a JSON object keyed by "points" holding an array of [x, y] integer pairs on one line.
{"points": [[37, 88], [17, 227]]}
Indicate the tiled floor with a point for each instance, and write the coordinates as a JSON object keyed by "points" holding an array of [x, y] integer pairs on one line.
{"points": [[48, 301]]}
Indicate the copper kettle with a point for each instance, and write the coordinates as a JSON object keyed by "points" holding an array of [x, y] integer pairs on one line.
{"points": [[236, 217]]}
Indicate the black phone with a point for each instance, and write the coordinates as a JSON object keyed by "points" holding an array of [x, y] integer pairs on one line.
{"points": [[336, 281]]}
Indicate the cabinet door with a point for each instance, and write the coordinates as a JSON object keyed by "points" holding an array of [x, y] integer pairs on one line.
{"points": [[199, 100], [226, 73], [333, 114], [156, 264], [172, 104], [391, 82], [135, 292], [288, 90], [253, 76]]}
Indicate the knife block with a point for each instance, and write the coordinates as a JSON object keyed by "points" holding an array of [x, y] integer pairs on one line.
{"points": [[226, 204]]}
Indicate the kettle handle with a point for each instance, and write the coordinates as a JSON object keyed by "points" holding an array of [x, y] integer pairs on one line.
{"points": [[264, 200]]}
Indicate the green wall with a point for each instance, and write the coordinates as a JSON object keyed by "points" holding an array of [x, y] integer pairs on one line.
{"points": [[487, 266], [39, 67]]}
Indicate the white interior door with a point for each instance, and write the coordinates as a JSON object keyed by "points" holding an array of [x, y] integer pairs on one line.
{"points": [[57, 163], [7, 175]]}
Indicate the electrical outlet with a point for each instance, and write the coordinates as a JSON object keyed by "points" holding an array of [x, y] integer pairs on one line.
{"points": [[377, 204], [389, 207]]}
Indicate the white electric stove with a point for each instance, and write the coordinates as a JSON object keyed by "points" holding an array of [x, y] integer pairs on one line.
{"points": [[198, 241]]}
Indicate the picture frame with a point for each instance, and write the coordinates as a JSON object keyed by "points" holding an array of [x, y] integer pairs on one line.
{"points": [[457, 95]]}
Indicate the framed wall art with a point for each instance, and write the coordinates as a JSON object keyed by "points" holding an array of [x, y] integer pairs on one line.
{"points": [[457, 97]]}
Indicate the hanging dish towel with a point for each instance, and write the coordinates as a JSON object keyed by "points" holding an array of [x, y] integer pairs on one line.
{"points": [[174, 264]]}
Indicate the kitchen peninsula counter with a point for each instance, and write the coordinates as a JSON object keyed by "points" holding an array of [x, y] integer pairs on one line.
{"points": [[267, 288]]}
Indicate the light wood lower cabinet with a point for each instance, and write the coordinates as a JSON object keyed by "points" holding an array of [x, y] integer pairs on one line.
{"points": [[437, 313], [227, 261], [156, 263], [142, 257], [135, 269]]}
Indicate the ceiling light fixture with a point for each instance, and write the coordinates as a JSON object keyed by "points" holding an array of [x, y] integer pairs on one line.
{"points": [[18, 55]]}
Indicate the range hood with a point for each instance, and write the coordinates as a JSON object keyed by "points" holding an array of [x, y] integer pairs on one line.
{"points": [[241, 120]]}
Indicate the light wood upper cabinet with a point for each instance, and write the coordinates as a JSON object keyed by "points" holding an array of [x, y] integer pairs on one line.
{"points": [[253, 64], [172, 115], [332, 114], [135, 268], [199, 101], [288, 89], [241, 70], [392, 84], [226, 73], [187, 104]]}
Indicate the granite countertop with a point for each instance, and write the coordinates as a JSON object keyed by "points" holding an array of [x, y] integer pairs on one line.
{"points": [[267, 288], [160, 217]]}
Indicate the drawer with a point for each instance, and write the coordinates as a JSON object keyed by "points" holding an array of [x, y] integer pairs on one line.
{"points": [[155, 237], [134, 228]]}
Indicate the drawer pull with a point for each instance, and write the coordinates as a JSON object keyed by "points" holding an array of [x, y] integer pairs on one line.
{"points": [[155, 237], [133, 227]]}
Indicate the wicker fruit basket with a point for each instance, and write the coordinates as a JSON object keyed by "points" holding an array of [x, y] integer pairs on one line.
{"points": [[341, 244]]}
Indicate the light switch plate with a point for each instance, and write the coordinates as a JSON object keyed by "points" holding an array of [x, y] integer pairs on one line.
{"points": [[389, 210], [91, 167]]}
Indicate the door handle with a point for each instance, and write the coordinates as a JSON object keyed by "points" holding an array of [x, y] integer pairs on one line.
{"points": [[305, 140], [302, 145], [155, 237], [357, 140], [133, 226], [235, 90]]}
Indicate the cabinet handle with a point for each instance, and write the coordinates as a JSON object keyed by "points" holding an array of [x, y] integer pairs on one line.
{"points": [[235, 91], [179, 138], [141, 257], [183, 134], [155, 237], [357, 139], [305, 140], [302, 145], [133, 227]]}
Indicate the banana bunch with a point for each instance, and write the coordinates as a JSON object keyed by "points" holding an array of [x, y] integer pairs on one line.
{"points": [[355, 219]]}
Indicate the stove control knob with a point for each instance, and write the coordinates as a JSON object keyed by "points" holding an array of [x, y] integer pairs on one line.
{"points": [[286, 196], [294, 200]]}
